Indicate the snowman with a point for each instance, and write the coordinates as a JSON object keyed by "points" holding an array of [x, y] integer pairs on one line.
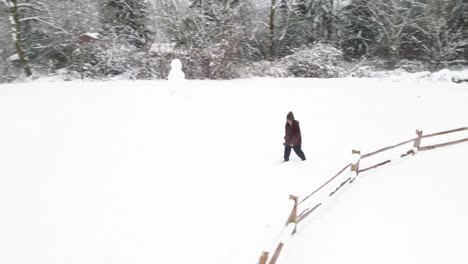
{"points": [[177, 83], [176, 73]]}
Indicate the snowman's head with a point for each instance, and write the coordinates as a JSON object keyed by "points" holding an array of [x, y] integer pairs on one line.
{"points": [[176, 64]]}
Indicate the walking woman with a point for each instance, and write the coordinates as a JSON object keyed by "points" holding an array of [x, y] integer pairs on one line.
{"points": [[292, 139]]}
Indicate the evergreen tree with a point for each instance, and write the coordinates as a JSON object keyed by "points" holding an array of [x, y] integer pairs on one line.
{"points": [[127, 21], [217, 34], [441, 35], [358, 31], [457, 36], [304, 22]]}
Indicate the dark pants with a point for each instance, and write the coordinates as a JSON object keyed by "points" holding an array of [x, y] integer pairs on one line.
{"points": [[297, 149]]}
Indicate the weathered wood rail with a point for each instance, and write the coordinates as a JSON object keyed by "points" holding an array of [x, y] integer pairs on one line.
{"points": [[295, 218]]}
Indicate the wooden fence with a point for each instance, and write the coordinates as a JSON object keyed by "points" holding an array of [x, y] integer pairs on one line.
{"points": [[354, 169]]}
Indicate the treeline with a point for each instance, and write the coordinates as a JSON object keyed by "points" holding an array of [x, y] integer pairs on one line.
{"points": [[222, 39]]}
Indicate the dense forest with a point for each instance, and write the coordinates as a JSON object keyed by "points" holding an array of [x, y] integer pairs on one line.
{"points": [[224, 39]]}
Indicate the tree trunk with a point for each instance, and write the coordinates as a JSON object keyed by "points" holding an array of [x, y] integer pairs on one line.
{"points": [[328, 23], [16, 34], [271, 47], [393, 54]]}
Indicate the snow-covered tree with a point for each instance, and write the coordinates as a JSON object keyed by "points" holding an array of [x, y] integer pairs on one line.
{"points": [[128, 20], [16, 33], [358, 31], [124, 39], [298, 23], [34, 30], [446, 28], [6, 45], [214, 38], [218, 35], [394, 18], [166, 19]]}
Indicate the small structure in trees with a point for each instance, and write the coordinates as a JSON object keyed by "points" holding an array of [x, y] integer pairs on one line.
{"points": [[88, 38]]}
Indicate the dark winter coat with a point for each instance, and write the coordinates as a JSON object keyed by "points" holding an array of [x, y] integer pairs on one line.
{"points": [[293, 134]]}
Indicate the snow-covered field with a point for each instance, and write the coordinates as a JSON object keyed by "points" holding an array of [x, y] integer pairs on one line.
{"points": [[176, 172]]}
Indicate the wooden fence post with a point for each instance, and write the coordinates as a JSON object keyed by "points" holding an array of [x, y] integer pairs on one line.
{"points": [[293, 216], [355, 164], [277, 253], [417, 142], [263, 258]]}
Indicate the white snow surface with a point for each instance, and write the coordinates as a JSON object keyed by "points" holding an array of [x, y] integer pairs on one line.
{"points": [[122, 172]]}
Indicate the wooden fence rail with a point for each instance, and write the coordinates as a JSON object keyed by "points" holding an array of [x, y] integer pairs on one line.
{"points": [[386, 148], [446, 132], [325, 184], [443, 144], [295, 218]]}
